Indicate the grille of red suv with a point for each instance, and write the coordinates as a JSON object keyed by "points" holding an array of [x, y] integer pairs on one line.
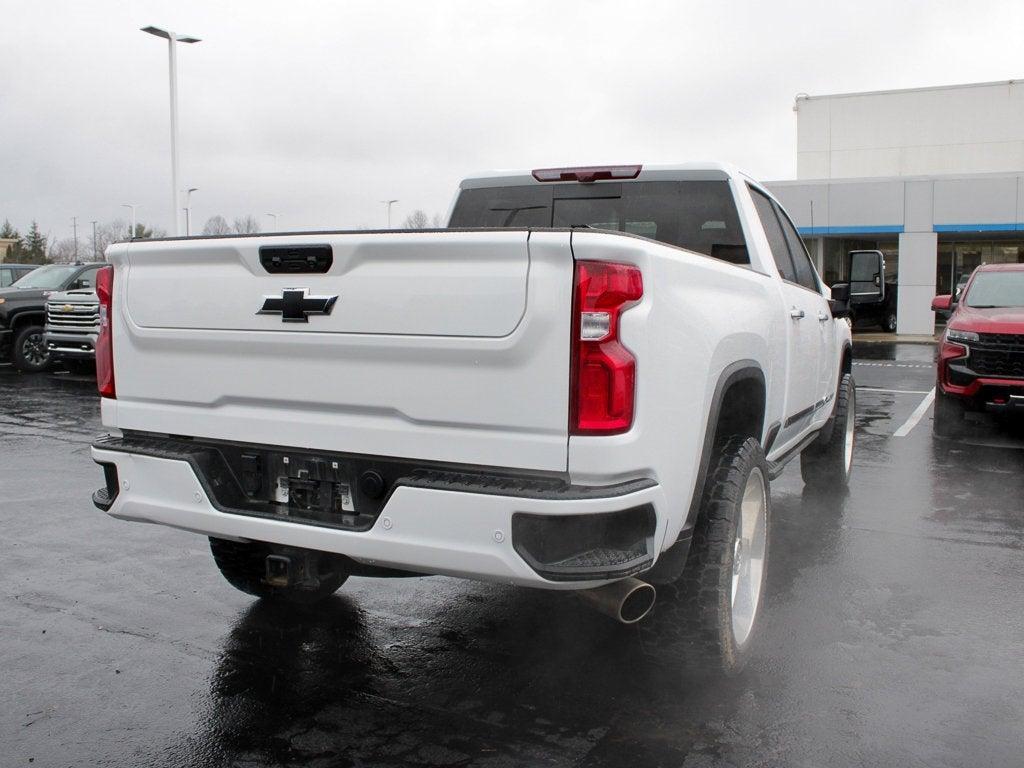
{"points": [[998, 354]]}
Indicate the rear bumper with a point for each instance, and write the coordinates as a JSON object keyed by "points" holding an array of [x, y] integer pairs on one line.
{"points": [[452, 530]]}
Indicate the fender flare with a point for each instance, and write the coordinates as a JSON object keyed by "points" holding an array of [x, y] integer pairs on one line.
{"points": [[670, 563], [19, 316], [740, 370]]}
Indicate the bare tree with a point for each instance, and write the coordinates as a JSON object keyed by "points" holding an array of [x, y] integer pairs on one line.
{"points": [[247, 225], [416, 220], [217, 225], [62, 251], [437, 221]]}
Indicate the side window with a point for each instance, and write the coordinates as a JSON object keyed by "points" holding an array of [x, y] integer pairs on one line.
{"points": [[801, 259], [6, 278], [776, 238], [86, 279]]}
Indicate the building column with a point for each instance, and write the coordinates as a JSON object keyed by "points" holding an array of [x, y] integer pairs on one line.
{"points": [[918, 259]]}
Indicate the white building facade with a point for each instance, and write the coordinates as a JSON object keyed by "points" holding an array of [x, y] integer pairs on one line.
{"points": [[933, 177]]}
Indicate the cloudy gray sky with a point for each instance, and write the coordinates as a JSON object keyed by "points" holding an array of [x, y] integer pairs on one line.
{"points": [[318, 110]]}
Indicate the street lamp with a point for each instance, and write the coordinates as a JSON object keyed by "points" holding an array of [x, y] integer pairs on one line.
{"points": [[274, 217], [171, 39], [188, 210], [389, 203], [133, 206], [93, 240]]}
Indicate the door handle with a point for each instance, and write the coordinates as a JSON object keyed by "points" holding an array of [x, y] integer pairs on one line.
{"points": [[822, 317], [796, 314]]}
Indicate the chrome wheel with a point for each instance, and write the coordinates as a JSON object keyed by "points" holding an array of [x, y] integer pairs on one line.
{"points": [[848, 437], [748, 556]]}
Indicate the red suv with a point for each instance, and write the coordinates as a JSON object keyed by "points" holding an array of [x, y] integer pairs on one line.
{"points": [[981, 357]]}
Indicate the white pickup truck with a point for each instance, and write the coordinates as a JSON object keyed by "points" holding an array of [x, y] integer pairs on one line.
{"points": [[585, 383]]}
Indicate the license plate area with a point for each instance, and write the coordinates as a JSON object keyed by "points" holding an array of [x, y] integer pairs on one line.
{"points": [[307, 488]]}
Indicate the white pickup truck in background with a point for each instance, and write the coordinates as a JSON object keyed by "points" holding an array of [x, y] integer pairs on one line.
{"points": [[585, 383]]}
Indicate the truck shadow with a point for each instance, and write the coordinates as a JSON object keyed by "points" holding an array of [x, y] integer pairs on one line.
{"points": [[494, 675]]}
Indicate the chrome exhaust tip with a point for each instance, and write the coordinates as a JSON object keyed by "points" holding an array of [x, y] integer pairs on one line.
{"points": [[627, 601]]}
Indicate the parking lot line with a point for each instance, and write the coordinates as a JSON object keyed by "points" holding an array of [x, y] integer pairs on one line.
{"points": [[915, 417], [893, 391], [892, 365]]}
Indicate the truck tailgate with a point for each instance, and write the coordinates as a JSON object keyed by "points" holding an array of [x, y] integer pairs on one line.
{"points": [[443, 346]]}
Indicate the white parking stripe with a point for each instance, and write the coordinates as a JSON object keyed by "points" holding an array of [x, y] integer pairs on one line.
{"points": [[893, 391], [893, 365], [916, 415]]}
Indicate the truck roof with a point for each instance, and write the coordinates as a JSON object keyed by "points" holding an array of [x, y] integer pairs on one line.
{"points": [[696, 171]]}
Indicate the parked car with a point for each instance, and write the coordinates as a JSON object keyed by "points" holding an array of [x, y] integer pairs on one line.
{"points": [[592, 377], [72, 323], [10, 273], [23, 311], [981, 356]]}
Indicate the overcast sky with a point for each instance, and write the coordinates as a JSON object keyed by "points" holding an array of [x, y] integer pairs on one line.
{"points": [[317, 111]]}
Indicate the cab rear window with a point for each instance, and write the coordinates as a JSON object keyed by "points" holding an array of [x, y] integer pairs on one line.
{"points": [[700, 215]]}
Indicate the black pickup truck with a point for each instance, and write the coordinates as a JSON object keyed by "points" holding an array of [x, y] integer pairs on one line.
{"points": [[23, 311]]}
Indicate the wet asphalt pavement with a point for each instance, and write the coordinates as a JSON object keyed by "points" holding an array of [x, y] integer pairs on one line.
{"points": [[892, 637]]}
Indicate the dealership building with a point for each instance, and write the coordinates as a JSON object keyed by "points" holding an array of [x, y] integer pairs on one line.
{"points": [[932, 177]]}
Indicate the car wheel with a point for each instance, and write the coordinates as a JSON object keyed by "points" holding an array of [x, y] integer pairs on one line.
{"points": [[890, 322], [29, 353], [828, 461], [948, 420], [707, 619], [243, 565]]}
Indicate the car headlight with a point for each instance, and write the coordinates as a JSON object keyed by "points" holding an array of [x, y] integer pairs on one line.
{"points": [[2, 301], [953, 335]]}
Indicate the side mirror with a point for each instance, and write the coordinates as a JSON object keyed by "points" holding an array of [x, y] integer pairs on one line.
{"points": [[942, 303], [839, 304], [866, 277]]}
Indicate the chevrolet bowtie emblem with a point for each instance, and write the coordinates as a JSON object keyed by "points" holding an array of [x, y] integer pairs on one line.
{"points": [[67, 308], [294, 306]]}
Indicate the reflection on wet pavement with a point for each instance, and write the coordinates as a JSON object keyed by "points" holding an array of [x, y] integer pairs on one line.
{"points": [[891, 636]]}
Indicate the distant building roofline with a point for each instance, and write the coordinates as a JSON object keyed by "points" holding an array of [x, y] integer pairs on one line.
{"points": [[808, 97], [915, 177]]}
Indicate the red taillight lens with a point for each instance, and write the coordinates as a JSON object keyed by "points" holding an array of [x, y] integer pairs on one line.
{"points": [[104, 342], [603, 385]]}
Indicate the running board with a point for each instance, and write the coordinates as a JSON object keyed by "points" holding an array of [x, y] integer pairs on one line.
{"points": [[776, 467]]}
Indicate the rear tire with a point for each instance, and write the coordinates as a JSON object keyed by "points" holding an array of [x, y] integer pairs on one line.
{"points": [[889, 322], [828, 461], [949, 415], [28, 352], [707, 620], [243, 565]]}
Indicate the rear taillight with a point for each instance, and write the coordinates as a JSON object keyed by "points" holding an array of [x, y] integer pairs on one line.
{"points": [[104, 342], [603, 376]]}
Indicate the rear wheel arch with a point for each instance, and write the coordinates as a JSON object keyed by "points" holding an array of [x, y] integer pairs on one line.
{"points": [[737, 407]]}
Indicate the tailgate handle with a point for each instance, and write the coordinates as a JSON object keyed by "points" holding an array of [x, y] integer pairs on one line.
{"points": [[296, 259]]}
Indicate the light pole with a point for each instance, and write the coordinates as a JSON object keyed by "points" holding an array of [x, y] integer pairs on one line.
{"points": [[389, 203], [133, 206], [74, 226], [93, 239], [274, 217], [188, 210], [171, 39]]}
